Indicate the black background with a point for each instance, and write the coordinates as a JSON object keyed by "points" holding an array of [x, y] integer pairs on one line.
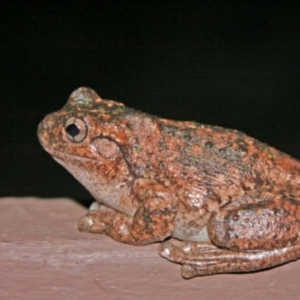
{"points": [[228, 63]]}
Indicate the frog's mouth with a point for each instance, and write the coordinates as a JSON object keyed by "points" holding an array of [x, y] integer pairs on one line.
{"points": [[62, 157], [59, 160]]}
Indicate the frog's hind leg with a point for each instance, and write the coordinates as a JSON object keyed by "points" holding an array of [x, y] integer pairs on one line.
{"points": [[263, 223], [249, 234], [199, 259]]}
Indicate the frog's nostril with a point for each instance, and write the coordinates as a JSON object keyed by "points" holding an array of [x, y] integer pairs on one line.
{"points": [[46, 124], [42, 127]]}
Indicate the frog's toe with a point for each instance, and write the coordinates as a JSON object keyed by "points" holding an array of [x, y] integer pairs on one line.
{"points": [[95, 206], [185, 256], [171, 252], [164, 249], [92, 222], [85, 224], [100, 207], [188, 271]]}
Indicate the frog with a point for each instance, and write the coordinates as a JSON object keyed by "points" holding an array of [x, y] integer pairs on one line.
{"points": [[214, 199]]}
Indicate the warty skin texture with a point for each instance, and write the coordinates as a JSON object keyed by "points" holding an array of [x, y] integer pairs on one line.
{"points": [[232, 200]]}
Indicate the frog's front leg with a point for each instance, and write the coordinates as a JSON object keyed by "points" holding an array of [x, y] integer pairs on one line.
{"points": [[247, 235], [153, 220]]}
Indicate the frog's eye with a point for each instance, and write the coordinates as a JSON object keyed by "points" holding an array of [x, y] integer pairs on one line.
{"points": [[76, 129]]}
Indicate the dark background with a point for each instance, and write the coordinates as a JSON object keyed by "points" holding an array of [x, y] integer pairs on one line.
{"points": [[233, 64]]}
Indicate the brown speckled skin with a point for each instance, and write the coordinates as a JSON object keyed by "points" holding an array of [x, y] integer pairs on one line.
{"points": [[232, 200]]}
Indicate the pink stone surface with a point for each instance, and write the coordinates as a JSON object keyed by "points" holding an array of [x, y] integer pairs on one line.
{"points": [[43, 256]]}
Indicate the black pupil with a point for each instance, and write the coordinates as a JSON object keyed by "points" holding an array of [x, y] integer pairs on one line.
{"points": [[72, 130]]}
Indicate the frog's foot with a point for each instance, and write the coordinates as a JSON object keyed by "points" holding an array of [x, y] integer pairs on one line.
{"points": [[93, 221], [198, 259]]}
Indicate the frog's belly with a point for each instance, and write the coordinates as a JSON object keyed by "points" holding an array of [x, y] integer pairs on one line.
{"points": [[189, 230]]}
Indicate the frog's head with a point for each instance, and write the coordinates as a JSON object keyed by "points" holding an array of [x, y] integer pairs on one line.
{"points": [[87, 137]]}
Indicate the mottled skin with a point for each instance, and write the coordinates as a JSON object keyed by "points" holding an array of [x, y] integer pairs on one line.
{"points": [[232, 201]]}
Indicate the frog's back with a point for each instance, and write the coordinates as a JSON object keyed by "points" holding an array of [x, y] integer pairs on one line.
{"points": [[212, 152]]}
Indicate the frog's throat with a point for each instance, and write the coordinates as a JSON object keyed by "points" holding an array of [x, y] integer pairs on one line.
{"points": [[104, 191]]}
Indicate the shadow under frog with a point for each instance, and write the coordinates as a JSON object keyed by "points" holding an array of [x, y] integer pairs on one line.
{"points": [[232, 201]]}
